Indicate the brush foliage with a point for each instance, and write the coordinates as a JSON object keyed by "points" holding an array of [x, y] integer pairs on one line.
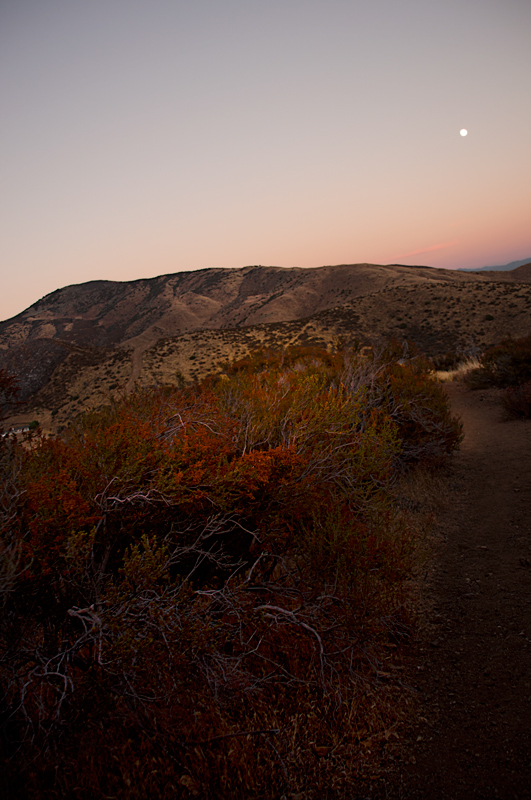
{"points": [[202, 584], [506, 364]]}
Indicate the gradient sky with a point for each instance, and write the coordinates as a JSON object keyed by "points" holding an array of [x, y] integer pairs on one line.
{"points": [[141, 138]]}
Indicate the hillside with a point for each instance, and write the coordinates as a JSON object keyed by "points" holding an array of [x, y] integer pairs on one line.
{"points": [[110, 313], [77, 345]]}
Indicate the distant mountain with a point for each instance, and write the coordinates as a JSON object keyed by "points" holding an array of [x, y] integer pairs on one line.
{"points": [[502, 268]]}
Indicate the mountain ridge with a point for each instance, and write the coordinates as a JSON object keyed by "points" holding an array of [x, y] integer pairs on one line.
{"points": [[75, 347], [500, 267], [108, 313]]}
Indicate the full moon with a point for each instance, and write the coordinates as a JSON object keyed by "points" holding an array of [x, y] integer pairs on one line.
{"points": [[463, 132]]}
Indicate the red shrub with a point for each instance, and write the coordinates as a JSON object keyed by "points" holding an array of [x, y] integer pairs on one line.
{"points": [[183, 549]]}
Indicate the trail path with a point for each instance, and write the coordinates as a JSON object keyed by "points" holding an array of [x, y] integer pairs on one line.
{"points": [[136, 368], [139, 346], [473, 664]]}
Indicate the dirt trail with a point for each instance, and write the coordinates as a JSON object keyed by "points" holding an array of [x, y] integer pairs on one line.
{"points": [[472, 667], [136, 368]]}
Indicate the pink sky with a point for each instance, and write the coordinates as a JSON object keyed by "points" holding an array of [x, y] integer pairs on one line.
{"points": [[144, 138]]}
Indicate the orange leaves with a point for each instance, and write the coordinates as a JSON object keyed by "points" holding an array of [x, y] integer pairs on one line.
{"points": [[253, 470], [54, 501], [260, 467], [269, 446], [182, 547]]}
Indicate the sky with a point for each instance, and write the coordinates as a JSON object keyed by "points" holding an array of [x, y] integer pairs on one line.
{"points": [[139, 138]]}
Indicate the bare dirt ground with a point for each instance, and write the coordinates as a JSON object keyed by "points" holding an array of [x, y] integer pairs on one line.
{"points": [[471, 666]]}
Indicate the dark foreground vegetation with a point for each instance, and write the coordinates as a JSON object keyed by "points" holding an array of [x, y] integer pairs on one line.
{"points": [[508, 366], [201, 587]]}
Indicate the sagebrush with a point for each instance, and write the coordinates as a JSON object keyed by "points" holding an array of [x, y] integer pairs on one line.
{"points": [[203, 585]]}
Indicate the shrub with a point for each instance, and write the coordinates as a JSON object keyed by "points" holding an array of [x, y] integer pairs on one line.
{"points": [[419, 406], [184, 550], [445, 362], [516, 401], [506, 364], [9, 390]]}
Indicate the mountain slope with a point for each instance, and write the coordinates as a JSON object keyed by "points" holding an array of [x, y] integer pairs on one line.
{"points": [[77, 346], [110, 313]]}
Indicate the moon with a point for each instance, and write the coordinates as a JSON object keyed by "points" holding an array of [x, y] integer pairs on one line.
{"points": [[463, 132]]}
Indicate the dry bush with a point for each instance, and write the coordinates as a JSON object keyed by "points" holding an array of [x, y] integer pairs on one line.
{"points": [[9, 391], [459, 371], [211, 584], [516, 401], [506, 364]]}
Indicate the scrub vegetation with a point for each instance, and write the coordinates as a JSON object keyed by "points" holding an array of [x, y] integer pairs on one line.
{"points": [[507, 366], [204, 589]]}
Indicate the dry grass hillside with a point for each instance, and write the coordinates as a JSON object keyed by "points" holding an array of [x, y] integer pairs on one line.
{"points": [[75, 348], [110, 313]]}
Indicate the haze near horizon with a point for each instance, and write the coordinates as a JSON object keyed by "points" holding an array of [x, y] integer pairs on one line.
{"points": [[148, 138]]}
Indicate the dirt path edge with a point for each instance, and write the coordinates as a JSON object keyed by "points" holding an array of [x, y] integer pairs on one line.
{"points": [[471, 665]]}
